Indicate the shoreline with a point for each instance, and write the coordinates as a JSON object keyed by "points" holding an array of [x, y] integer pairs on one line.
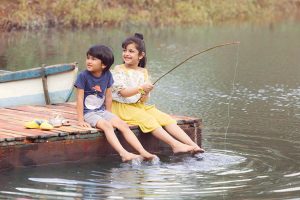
{"points": [[70, 14]]}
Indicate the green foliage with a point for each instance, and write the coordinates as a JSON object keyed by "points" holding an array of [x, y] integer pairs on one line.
{"points": [[31, 14]]}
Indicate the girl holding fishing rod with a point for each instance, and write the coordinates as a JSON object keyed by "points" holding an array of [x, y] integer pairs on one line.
{"points": [[130, 92]]}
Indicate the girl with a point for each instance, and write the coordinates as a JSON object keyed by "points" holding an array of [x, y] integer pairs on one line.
{"points": [[130, 92], [94, 100]]}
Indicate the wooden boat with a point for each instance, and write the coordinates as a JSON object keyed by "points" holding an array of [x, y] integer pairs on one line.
{"points": [[43, 85]]}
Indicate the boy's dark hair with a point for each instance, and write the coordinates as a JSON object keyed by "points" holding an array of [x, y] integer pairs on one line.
{"points": [[103, 53], [137, 39]]}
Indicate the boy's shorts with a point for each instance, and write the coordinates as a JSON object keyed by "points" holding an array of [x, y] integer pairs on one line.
{"points": [[93, 117]]}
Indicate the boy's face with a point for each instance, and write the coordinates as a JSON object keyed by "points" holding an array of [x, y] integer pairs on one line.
{"points": [[94, 64]]}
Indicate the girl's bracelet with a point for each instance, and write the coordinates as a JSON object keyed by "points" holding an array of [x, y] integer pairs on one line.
{"points": [[141, 91]]}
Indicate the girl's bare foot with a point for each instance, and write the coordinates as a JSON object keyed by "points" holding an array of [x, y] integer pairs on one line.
{"points": [[130, 156], [197, 149], [182, 148], [148, 156]]}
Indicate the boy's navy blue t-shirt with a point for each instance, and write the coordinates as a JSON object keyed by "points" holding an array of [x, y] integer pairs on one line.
{"points": [[94, 89]]}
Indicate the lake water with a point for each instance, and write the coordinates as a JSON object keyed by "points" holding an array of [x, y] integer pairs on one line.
{"points": [[248, 96]]}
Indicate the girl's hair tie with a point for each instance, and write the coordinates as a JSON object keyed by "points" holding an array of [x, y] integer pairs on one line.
{"points": [[139, 35]]}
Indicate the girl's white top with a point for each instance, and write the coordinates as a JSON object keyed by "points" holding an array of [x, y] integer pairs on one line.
{"points": [[127, 78]]}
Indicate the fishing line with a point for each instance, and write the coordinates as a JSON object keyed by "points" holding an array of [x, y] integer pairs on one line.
{"points": [[229, 104], [232, 93]]}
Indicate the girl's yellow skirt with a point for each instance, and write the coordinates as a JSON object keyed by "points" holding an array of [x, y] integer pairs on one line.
{"points": [[147, 117]]}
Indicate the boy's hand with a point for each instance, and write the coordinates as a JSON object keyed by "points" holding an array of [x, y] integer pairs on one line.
{"points": [[147, 87], [84, 124]]}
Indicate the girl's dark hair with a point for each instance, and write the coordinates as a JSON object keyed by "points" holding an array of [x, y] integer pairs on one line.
{"points": [[103, 53], [137, 39]]}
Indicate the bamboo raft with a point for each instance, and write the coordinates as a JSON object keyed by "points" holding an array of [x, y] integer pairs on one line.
{"points": [[21, 147]]}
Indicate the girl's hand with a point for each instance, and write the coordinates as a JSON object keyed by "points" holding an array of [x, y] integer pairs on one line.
{"points": [[144, 97], [83, 124], [147, 87]]}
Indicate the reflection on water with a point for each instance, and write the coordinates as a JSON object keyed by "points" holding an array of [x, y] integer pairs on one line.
{"points": [[257, 157], [170, 178], [217, 174]]}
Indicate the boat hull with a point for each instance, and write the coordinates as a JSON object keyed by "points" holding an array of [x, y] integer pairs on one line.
{"points": [[30, 91]]}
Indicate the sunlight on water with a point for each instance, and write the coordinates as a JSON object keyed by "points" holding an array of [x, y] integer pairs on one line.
{"points": [[292, 175], [290, 189]]}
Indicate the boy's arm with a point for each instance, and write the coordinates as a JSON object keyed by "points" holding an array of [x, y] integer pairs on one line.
{"points": [[108, 99], [79, 107]]}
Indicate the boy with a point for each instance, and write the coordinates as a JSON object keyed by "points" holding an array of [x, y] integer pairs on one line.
{"points": [[94, 100]]}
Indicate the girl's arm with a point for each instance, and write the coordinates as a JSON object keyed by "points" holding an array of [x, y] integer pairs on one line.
{"points": [[79, 107], [130, 91], [121, 84], [108, 99]]}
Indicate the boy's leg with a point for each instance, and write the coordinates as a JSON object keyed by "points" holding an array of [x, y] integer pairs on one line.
{"points": [[97, 119], [114, 141], [130, 137]]}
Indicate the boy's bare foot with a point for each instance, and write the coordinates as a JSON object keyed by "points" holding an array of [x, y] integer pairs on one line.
{"points": [[130, 156], [183, 148], [148, 156]]}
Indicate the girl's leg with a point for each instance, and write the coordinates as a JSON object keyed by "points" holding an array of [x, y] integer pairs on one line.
{"points": [[114, 142], [170, 124], [143, 117], [179, 134], [176, 146], [131, 138]]}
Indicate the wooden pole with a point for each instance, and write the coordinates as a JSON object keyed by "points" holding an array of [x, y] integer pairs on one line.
{"points": [[45, 84]]}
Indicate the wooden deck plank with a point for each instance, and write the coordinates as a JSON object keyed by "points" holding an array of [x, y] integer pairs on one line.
{"points": [[63, 130], [21, 118], [29, 133], [12, 121], [2, 138], [11, 117], [46, 113], [20, 113], [17, 126], [14, 134], [26, 116], [9, 138]]}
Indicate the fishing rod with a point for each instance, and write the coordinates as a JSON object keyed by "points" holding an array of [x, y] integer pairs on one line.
{"points": [[196, 54]]}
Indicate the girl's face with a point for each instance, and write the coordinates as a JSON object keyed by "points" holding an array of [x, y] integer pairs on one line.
{"points": [[131, 56], [94, 64]]}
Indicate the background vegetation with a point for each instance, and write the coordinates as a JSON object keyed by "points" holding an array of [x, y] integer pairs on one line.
{"points": [[36, 14]]}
